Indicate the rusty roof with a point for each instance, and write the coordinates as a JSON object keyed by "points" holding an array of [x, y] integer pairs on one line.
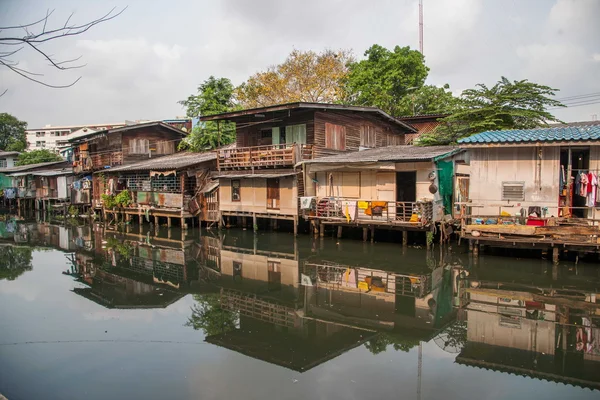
{"points": [[179, 160], [128, 128], [389, 153], [304, 105], [250, 175], [29, 167]]}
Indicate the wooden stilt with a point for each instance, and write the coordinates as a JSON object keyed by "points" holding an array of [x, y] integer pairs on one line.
{"points": [[183, 224], [555, 253], [373, 234], [254, 223], [404, 238], [295, 227], [365, 234], [169, 222], [339, 232], [322, 230]]}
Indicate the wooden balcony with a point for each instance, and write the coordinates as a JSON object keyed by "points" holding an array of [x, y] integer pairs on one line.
{"points": [[93, 162], [273, 156], [347, 211]]}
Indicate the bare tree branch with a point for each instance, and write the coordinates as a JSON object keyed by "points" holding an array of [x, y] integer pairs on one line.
{"points": [[37, 33]]}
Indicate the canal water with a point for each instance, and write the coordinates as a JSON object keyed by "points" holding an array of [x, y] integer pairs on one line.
{"points": [[88, 313]]}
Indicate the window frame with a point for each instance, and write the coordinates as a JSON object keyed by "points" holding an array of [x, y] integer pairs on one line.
{"points": [[331, 142], [236, 192], [368, 136]]}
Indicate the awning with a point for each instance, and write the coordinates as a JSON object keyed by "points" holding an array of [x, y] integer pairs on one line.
{"points": [[163, 173], [209, 187], [51, 173], [258, 176]]}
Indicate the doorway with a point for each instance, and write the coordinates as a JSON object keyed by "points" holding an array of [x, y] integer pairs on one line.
{"points": [[575, 161], [273, 193], [406, 186]]}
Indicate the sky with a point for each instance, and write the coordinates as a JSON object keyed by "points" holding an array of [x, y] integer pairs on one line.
{"points": [[139, 65]]}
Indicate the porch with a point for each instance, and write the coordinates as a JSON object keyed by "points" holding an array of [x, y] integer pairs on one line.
{"points": [[272, 156], [87, 162]]}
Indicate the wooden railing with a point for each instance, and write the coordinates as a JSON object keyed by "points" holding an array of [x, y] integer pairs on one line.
{"points": [[279, 155], [376, 211], [87, 162]]}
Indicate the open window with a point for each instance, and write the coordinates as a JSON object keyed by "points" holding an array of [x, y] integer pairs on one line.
{"points": [[235, 190]]}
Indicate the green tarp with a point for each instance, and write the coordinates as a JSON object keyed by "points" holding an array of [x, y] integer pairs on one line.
{"points": [[445, 173]]}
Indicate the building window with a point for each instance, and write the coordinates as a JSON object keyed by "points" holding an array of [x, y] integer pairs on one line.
{"points": [[165, 147], [139, 146], [295, 134], [513, 191], [368, 136], [235, 190], [40, 143], [40, 134], [335, 136], [3, 163], [394, 140]]}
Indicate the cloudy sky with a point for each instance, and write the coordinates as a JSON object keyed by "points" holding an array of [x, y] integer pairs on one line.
{"points": [[139, 65]]}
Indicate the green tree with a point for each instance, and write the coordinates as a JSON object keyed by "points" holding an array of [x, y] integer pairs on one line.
{"points": [[37, 156], [385, 78], [15, 261], [215, 96], [428, 99], [12, 133], [399, 342], [210, 317], [506, 105], [304, 76]]}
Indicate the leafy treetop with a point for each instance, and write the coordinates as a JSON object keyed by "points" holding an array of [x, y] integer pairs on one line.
{"points": [[12, 133], [37, 156]]}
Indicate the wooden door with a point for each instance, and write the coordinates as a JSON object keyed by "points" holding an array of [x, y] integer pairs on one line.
{"points": [[273, 194]]}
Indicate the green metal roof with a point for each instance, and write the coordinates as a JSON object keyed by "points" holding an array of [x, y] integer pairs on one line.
{"points": [[558, 134]]}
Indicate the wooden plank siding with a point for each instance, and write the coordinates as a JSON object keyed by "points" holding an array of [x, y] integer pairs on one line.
{"points": [[247, 136], [353, 124]]}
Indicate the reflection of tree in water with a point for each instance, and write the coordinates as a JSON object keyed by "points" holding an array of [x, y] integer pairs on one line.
{"points": [[453, 338], [208, 315], [400, 342], [15, 261]]}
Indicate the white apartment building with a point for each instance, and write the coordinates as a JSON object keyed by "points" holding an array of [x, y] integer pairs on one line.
{"points": [[55, 138]]}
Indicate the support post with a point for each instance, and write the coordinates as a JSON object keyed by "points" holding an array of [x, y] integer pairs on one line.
{"points": [[372, 233], [254, 223], [404, 238], [183, 224], [169, 222], [365, 234], [295, 227], [339, 232], [555, 253]]}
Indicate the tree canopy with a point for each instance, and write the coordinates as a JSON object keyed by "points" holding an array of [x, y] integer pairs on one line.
{"points": [[506, 105], [428, 99], [385, 78], [214, 96], [208, 316], [15, 261], [12, 133], [304, 76], [37, 156]]}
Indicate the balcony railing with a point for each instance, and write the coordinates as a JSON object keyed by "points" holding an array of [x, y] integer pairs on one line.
{"points": [[418, 214], [86, 162], [278, 155]]}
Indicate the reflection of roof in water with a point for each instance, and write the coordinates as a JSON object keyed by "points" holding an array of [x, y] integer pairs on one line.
{"points": [[108, 299], [534, 365], [299, 350]]}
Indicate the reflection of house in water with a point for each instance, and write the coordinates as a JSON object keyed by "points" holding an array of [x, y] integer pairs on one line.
{"points": [[531, 330], [113, 290], [417, 301]]}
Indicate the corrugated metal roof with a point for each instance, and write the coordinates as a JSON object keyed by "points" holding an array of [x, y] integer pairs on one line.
{"points": [[306, 105], [554, 134], [30, 167], [389, 153], [54, 172], [8, 153], [126, 128], [173, 161], [271, 174]]}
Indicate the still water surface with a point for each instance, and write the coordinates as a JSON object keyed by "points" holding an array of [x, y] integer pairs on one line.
{"points": [[92, 314]]}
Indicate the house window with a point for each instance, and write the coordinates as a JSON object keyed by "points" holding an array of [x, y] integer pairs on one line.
{"points": [[40, 143], [513, 191], [335, 136], [165, 147], [3, 163], [139, 146], [368, 136], [295, 134], [40, 134], [235, 190], [394, 140]]}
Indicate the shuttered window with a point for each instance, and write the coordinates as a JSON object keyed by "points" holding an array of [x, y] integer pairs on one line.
{"points": [[165, 147], [394, 140], [368, 136], [513, 191], [335, 137], [139, 146]]}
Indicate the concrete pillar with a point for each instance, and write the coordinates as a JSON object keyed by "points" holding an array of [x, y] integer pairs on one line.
{"points": [[183, 224], [322, 230], [372, 233], [404, 238], [254, 223], [169, 222], [365, 234], [339, 232], [555, 253], [295, 228]]}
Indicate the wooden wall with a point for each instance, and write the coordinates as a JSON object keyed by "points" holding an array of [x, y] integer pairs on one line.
{"points": [[250, 135], [253, 193], [353, 123], [255, 267]]}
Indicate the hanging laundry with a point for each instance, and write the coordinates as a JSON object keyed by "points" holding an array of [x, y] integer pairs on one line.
{"points": [[363, 205], [349, 209], [562, 177], [583, 187], [349, 279], [593, 187], [305, 280], [306, 202]]}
